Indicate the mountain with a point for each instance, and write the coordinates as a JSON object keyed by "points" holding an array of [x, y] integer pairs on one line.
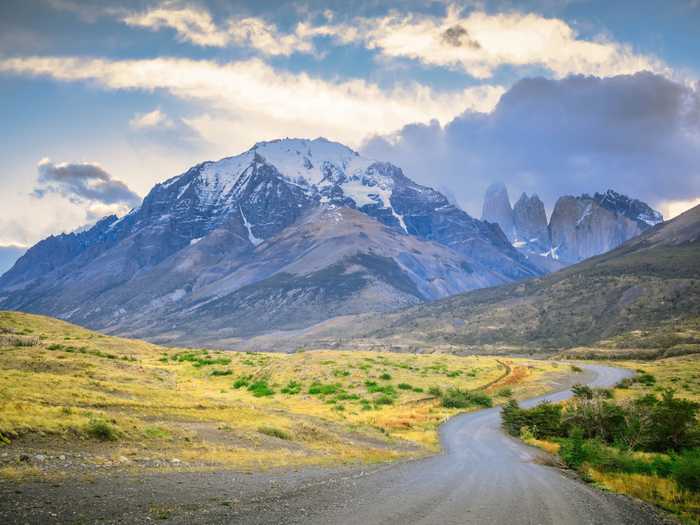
{"points": [[497, 209], [284, 235], [644, 294], [530, 221], [579, 228]]}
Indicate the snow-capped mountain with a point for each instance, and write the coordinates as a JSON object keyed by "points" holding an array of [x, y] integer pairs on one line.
{"points": [[284, 235]]}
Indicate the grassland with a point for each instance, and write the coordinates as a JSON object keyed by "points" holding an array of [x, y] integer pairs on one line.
{"points": [[80, 401]]}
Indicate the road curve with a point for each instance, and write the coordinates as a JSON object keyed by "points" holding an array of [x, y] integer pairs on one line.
{"points": [[482, 477]]}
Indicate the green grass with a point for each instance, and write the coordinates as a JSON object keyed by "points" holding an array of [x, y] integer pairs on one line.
{"points": [[274, 432]]}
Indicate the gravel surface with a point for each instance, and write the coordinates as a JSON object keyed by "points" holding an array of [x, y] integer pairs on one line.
{"points": [[482, 477]]}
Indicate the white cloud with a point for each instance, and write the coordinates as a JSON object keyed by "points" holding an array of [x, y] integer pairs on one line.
{"points": [[480, 42], [190, 24], [671, 209], [477, 43], [151, 119], [263, 102], [198, 27]]}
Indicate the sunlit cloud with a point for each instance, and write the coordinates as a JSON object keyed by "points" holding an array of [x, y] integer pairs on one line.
{"points": [[190, 24], [672, 209], [265, 102], [476, 43], [151, 119], [479, 43]]}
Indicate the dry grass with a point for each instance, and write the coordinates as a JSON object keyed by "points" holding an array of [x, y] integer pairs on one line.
{"points": [[679, 373], [662, 492], [159, 405]]}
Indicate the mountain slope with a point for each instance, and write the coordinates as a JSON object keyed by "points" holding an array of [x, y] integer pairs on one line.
{"points": [[287, 234], [644, 294]]}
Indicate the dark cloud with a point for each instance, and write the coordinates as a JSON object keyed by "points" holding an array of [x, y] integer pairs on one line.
{"points": [[82, 183], [639, 134], [457, 36]]}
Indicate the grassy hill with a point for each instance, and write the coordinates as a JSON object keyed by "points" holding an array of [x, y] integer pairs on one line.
{"points": [[644, 295], [73, 402]]}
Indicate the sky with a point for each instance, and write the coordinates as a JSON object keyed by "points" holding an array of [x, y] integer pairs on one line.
{"points": [[99, 101]]}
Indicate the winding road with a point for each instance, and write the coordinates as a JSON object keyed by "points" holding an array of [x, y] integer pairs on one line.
{"points": [[482, 477]]}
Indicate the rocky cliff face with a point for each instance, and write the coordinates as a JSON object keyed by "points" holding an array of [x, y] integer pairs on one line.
{"points": [[497, 209], [530, 221], [580, 227], [287, 234]]}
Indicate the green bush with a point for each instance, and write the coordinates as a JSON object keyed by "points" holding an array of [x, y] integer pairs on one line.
{"points": [[573, 451], [102, 430], [292, 388], [221, 372], [435, 391], [505, 392], [384, 400], [405, 386], [385, 376], [274, 432], [685, 469], [260, 388], [241, 382], [456, 398], [321, 389]]}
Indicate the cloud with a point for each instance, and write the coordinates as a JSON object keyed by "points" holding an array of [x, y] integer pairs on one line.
{"points": [[254, 101], [638, 134], [196, 26], [480, 42], [191, 24], [156, 128], [151, 119], [476, 43], [84, 183]]}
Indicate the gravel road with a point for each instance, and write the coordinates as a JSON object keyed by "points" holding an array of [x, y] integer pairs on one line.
{"points": [[482, 477]]}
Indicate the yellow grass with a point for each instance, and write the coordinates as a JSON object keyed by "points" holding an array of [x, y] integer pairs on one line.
{"points": [[660, 491], [162, 408], [679, 373]]}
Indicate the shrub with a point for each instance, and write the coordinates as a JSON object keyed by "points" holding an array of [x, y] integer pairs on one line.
{"points": [[384, 400], [582, 391], [685, 469], [221, 372], [241, 382], [292, 388], [505, 392], [454, 373], [405, 386], [645, 379], [573, 451], [417, 389], [373, 388], [321, 389], [385, 376], [341, 373], [260, 388], [435, 391], [456, 398], [102, 430], [274, 432]]}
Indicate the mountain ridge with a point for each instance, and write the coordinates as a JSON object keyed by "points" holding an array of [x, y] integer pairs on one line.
{"points": [[219, 228]]}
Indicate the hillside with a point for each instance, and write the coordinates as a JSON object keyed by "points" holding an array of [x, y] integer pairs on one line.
{"points": [[643, 295], [280, 237]]}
